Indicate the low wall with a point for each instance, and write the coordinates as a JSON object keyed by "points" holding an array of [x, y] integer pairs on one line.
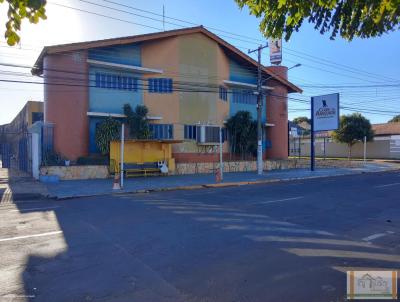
{"points": [[377, 149], [247, 166], [76, 172], [93, 172]]}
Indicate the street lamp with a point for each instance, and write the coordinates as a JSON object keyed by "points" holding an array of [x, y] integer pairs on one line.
{"points": [[294, 66]]}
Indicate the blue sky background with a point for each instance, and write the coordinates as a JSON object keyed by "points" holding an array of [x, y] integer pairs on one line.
{"points": [[365, 63]]}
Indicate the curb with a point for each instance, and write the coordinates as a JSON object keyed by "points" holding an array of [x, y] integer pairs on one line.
{"points": [[218, 185], [24, 196]]}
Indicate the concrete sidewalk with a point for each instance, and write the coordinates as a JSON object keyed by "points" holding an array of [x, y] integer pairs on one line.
{"points": [[19, 186], [82, 188]]}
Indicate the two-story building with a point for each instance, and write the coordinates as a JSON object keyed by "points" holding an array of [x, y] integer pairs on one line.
{"points": [[190, 80]]}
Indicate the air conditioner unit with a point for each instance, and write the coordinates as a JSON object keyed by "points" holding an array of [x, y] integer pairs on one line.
{"points": [[201, 134], [207, 134]]}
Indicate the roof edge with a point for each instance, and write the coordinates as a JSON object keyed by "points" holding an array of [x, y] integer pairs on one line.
{"points": [[38, 66]]}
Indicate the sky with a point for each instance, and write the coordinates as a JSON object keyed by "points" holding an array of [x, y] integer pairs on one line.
{"points": [[360, 70]]}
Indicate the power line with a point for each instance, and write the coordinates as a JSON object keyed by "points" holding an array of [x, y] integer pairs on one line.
{"points": [[349, 69]]}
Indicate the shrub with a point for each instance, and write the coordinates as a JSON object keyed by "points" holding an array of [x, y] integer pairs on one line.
{"points": [[107, 131], [92, 160]]}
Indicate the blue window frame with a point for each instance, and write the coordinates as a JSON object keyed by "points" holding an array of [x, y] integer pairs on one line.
{"points": [[111, 81], [98, 79], [114, 82], [103, 80], [244, 97], [160, 85], [161, 131], [124, 83], [223, 93], [190, 132], [119, 82]]}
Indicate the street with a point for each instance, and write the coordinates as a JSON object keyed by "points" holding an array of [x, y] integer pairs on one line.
{"points": [[288, 241]]}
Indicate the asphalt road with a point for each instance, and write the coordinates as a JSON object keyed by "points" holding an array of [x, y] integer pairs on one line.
{"points": [[290, 241]]}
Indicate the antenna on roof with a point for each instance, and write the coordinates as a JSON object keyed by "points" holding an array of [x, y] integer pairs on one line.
{"points": [[163, 16]]}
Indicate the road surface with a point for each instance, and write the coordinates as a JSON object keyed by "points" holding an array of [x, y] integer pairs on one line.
{"points": [[290, 241]]}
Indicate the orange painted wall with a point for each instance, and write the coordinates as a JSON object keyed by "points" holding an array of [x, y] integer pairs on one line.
{"points": [[66, 106], [162, 54], [179, 58]]}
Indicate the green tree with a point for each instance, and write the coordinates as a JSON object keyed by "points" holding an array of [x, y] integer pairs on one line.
{"points": [[18, 10], [107, 131], [242, 134], [356, 18], [301, 119], [137, 121], [395, 119], [353, 128]]}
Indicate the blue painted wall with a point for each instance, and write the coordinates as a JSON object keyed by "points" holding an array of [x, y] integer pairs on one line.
{"points": [[112, 100], [121, 54], [241, 73], [93, 121]]}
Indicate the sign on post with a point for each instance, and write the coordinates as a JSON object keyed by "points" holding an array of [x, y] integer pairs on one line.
{"points": [[325, 112], [324, 117], [275, 51]]}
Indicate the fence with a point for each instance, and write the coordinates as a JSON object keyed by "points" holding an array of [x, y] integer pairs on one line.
{"points": [[16, 151], [24, 151], [384, 148]]}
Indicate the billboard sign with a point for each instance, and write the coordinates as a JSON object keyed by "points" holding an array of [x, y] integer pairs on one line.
{"points": [[325, 112], [275, 51]]}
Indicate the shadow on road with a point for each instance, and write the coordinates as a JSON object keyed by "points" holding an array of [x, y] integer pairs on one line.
{"points": [[180, 247]]}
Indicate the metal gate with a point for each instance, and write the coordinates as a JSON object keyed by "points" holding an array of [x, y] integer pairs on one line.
{"points": [[24, 153], [5, 155], [16, 151]]}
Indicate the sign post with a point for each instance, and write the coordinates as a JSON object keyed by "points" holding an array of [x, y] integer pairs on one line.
{"points": [[324, 117], [365, 149], [221, 165], [122, 154], [275, 51], [312, 153]]}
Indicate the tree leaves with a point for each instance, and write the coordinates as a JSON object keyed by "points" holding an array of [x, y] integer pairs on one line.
{"points": [[137, 121], [395, 119], [242, 131], [108, 130], [33, 10], [353, 128], [356, 18]]}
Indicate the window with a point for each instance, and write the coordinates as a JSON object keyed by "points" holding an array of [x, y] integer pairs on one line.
{"points": [[210, 134], [98, 79], [161, 131], [190, 132], [111, 81], [244, 97], [160, 85], [103, 80], [223, 93], [37, 116]]}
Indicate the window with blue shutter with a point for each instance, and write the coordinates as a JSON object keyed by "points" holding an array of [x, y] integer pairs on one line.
{"points": [[223, 93], [110, 81], [190, 132], [244, 97], [98, 80], [161, 131], [103, 80], [160, 85]]}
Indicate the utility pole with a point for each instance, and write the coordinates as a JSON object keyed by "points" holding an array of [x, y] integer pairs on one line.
{"points": [[163, 17], [259, 110]]}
